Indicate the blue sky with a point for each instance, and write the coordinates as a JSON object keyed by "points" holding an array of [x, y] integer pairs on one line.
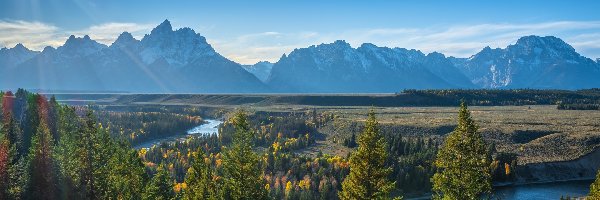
{"points": [[250, 31]]}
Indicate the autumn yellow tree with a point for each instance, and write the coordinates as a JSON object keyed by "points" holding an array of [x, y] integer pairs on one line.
{"points": [[595, 188]]}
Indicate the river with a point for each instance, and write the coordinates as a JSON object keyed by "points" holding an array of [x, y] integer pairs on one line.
{"points": [[519, 192], [544, 190], [210, 127]]}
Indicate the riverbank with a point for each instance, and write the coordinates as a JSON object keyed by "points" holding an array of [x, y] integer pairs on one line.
{"points": [[582, 168], [211, 126]]}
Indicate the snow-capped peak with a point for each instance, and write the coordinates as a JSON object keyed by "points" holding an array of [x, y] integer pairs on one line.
{"points": [[178, 47], [536, 44]]}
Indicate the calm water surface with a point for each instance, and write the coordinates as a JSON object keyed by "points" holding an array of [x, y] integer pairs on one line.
{"points": [[544, 190], [210, 127]]}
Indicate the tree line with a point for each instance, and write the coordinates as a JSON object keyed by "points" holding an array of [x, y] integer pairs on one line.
{"points": [[53, 151]]}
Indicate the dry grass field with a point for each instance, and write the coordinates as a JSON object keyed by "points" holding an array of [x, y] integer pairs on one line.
{"points": [[535, 133]]}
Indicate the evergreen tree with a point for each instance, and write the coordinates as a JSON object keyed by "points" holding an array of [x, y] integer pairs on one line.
{"points": [[12, 131], [242, 173], [69, 152], [199, 179], [16, 170], [160, 186], [42, 181], [462, 162], [31, 123], [18, 175], [127, 175], [595, 188], [95, 151], [4, 163], [368, 178]]}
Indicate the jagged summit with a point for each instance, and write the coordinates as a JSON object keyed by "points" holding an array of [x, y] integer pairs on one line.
{"points": [[338, 67], [164, 27], [165, 60], [550, 43], [338, 43], [532, 62], [183, 61], [20, 47], [76, 46], [178, 48], [12, 56], [124, 40]]}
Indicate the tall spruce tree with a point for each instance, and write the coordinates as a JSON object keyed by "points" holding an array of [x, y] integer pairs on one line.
{"points": [[368, 178], [43, 178], [462, 162], [595, 188], [32, 120], [96, 150], [199, 179], [5, 158], [69, 152], [127, 175], [160, 186], [242, 174]]}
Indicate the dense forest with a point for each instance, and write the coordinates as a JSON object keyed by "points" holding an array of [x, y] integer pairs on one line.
{"points": [[138, 127], [54, 151], [483, 97]]}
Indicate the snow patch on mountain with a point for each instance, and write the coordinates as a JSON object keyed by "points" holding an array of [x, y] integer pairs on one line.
{"points": [[261, 70], [178, 48]]}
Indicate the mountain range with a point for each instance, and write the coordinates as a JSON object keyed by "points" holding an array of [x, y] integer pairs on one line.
{"points": [[181, 61], [166, 60]]}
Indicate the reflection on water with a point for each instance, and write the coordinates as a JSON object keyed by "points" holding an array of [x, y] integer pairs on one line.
{"points": [[544, 191], [211, 127]]}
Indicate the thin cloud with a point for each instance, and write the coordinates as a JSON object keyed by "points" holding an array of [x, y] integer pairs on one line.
{"points": [[455, 40], [35, 35], [458, 40], [107, 33]]}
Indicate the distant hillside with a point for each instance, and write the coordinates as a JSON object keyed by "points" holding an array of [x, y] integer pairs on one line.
{"points": [[483, 97]]}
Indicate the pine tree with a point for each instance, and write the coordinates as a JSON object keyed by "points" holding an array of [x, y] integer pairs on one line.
{"points": [[462, 162], [31, 123], [199, 179], [595, 188], [160, 186], [4, 163], [18, 175], [69, 152], [127, 175], [95, 151], [42, 182], [368, 178], [242, 173]]}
